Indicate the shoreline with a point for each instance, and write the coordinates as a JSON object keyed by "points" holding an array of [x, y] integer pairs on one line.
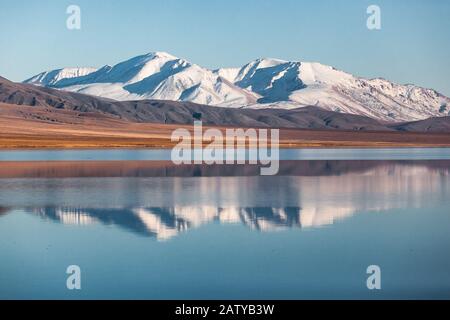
{"points": [[306, 147], [93, 143], [289, 139], [30, 128]]}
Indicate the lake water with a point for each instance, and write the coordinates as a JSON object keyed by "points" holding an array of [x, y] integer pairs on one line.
{"points": [[153, 231], [285, 154]]}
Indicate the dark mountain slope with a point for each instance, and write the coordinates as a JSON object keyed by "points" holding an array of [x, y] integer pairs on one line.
{"points": [[172, 112]]}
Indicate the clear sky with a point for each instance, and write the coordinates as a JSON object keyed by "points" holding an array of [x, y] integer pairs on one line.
{"points": [[413, 45]]}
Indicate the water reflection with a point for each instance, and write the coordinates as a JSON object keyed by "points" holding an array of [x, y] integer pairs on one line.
{"points": [[145, 169], [165, 223], [160, 200], [225, 226]]}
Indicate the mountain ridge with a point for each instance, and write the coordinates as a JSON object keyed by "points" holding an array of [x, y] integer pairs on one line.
{"points": [[262, 83], [176, 112]]}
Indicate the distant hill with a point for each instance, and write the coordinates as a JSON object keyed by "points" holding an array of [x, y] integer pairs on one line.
{"points": [[174, 112], [441, 124]]}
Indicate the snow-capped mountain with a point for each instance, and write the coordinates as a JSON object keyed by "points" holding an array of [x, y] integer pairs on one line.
{"points": [[157, 75], [263, 83], [283, 84]]}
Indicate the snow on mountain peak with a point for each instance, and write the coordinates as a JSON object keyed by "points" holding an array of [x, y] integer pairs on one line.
{"points": [[138, 68], [48, 78], [267, 62], [316, 73]]}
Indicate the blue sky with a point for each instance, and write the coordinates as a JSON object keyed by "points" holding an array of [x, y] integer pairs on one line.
{"points": [[413, 45]]}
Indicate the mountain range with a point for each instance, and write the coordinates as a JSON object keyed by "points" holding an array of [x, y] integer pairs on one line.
{"points": [[260, 84], [182, 112]]}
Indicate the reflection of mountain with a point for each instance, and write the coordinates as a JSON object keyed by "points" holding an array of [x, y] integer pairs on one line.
{"points": [[366, 184], [165, 223], [66, 215], [316, 194], [141, 169]]}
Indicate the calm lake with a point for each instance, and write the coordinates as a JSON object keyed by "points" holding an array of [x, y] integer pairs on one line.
{"points": [[142, 229]]}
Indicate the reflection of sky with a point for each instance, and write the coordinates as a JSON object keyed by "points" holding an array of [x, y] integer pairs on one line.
{"points": [[228, 261]]}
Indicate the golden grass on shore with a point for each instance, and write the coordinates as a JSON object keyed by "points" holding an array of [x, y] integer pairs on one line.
{"points": [[23, 127]]}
